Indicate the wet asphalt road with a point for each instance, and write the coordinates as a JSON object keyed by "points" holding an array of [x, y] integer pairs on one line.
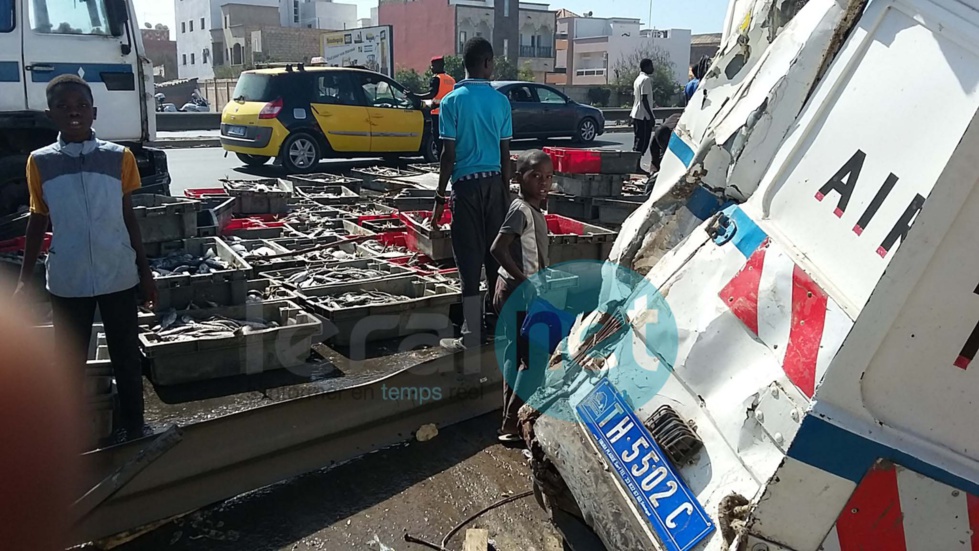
{"points": [[204, 167]]}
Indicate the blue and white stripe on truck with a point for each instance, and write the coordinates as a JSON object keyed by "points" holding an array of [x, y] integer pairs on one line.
{"points": [[90, 72]]}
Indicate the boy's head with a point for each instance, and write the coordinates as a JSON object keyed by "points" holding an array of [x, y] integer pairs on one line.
{"points": [[646, 66], [535, 173], [71, 107], [478, 57]]}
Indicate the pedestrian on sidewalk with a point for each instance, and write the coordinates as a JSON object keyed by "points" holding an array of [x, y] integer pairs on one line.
{"points": [[82, 185], [642, 111], [522, 250], [475, 126]]}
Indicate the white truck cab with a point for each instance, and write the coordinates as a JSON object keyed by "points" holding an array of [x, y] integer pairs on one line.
{"points": [[100, 41], [827, 321]]}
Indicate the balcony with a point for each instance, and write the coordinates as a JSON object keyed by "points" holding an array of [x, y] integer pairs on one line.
{"points": [[536, 51]]}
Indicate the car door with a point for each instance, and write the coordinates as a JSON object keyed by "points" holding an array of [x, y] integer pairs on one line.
{"points": [[94, 41], [557, 113], [397, 124], [526, 110], [340, 111], [11, 63]]}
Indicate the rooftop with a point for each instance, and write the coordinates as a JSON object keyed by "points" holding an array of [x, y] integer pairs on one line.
{"points": [[705, 39]]}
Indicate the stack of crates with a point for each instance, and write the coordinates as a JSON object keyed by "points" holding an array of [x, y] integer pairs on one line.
{"points": [[585, 179]]}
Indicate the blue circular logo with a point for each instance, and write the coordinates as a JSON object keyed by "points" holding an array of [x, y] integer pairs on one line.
{"points": [[628, 334]]}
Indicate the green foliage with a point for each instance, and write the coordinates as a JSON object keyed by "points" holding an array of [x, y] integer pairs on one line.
{"points": [[413, 80], [599, 96], [665, 89], [505, 69]]}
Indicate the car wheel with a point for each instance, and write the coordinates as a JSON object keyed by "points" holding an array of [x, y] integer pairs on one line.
{"points": [[300, 153], [253, 160], [587, 131], [431, 150]]}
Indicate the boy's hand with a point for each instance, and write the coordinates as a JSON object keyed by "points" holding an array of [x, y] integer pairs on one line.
{"points": [[437, 213], [21, 288], [147, 287]]}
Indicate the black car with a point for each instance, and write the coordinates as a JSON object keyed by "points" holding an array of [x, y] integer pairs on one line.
{"points": [[542, 112]]}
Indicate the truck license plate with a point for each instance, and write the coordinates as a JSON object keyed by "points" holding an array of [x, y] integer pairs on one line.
{"points": [[237, 131], [677, 517]]}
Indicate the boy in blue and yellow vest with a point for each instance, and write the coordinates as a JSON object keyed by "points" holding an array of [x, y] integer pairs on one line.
{"points": [[82, 186]]}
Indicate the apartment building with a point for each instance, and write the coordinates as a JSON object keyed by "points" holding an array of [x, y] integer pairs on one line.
{"points": [[423, 29]]}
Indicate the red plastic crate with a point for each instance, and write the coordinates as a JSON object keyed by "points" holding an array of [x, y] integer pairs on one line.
{"points": [[435, 243], [16, 245], [201, 192], [575, 161], [248, 224], [560, 225], [266, 218]]}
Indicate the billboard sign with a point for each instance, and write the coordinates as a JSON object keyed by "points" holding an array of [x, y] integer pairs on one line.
{"points": [[369, 47]]}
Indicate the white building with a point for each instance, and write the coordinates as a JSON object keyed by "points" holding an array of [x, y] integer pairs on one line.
{"points": [[590, 48], [318, 14], [199, 34]]}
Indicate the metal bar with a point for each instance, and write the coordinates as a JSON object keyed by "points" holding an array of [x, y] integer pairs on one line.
{"points": [[227, 456]]}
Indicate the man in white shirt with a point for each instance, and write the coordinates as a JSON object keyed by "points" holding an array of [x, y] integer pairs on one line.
{"points": [[642, 110]]}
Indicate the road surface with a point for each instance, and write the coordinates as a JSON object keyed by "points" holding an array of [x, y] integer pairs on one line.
{"points": [[203, 167]]}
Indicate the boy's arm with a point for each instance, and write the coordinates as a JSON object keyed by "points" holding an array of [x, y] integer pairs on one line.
{"points": [[501, 252], [130, 183], [37, 225]]}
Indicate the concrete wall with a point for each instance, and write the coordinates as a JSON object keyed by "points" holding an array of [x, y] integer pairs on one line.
{"points": [[506, 28], [471, 22], [329, 15], [192, 42], [422, 29]]}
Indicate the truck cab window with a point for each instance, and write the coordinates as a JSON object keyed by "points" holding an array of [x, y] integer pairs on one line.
{"points": [[6, 16], [85, 17]]}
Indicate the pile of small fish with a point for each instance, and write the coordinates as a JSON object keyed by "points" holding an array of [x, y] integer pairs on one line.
{"points": [[383, 172], [175, 328], [362, 210], [328, 255], [384, 225], [182, 262], [255, 254], [318, 277], [312, 216], [431, 168], [357, 299], [377, 248], [258, 186], [416, 262], [275, 291], [426, 222]]}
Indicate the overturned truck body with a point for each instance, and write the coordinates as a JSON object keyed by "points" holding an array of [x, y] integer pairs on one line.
{"points": [[812, 238]]}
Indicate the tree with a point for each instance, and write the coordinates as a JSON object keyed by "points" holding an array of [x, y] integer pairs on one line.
{"points": [[665, 88], [148, 25], [507, 70], [413, 80]]}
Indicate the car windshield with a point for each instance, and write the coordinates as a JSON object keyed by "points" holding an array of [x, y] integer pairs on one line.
{"points": [[254, 87]]}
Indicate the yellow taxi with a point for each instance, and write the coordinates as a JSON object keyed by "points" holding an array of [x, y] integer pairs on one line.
{"points": [[300, 115]]}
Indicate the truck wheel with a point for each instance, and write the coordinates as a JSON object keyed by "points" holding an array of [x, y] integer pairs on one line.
{"points": [[300, 153], [431, 150], [253, 160], [13, 184]]}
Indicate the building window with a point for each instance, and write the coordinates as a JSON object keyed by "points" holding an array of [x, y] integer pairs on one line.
{"points": [[506, 48], [202, 23], [185, 59], [506, 8], [462, 41], [191, 25], [204, 55], [227, 21], [183, 27], [295, 11], [192, 59]]}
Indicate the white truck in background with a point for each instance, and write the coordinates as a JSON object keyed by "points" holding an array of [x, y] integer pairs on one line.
{"points": [[100, 41], [814, 235]]}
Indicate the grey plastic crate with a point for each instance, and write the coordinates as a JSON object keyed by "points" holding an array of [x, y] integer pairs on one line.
{"points": [[592, 243], [163, 218], [98, 378], [379, 178], [572, 206], [101, 412], [332, 196], [618, 162], [431, 168], [215, 213], [307, 182], [412, 199], [250, 353], [262, 202], [426, 308], [298, 244], [614, 211], [353, 212], [390, 271], [589, 185], [173, 289], [258, 263], [436, 244]]}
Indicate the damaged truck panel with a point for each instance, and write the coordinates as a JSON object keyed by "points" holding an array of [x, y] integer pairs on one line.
{"points": [[827, 326]]}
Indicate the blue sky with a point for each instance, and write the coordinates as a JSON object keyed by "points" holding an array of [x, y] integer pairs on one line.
{"points": [[700, 16]]}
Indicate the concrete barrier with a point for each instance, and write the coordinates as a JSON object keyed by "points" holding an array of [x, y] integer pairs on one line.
{"points": [[181, 122]]}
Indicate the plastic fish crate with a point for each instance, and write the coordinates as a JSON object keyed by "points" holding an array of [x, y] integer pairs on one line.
{"points": [[412, 199], [575, 240], [558, 284], [382, 223], [431, 168], [205, 192], [101, 415], [426, 308], [215, 213], [572, 206], [256, 352], [422, 265], [234, 278], [262, 202], [298, 244], [259, 264], [614, 211], [589, 185], [253, 228], [331, 195], [391, 239], [163, 218], [320, 179], [592, 161], [372, 179], [391, 271], [353, 212], [436, 244]]}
